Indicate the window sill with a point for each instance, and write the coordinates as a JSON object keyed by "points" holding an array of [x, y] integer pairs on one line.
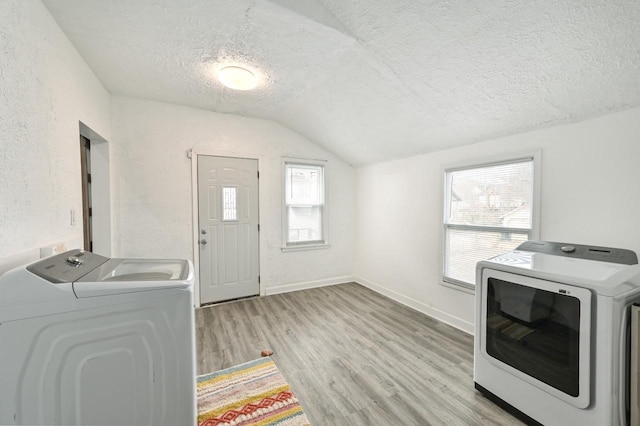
{"points": [[463, 287], [305, 247]]}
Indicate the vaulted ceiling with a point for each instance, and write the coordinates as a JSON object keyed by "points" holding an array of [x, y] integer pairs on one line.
{"points": [[371, 80]]}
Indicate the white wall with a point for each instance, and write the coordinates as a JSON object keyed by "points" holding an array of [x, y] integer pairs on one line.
{"points": [[590, 180], [152, 187], [45, 90]]}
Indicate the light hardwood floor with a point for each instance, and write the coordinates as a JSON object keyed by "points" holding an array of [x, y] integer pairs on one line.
{"points": [[352, 356]]}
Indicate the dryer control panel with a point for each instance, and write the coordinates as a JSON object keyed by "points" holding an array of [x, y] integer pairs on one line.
{"points": [[577, 251]]}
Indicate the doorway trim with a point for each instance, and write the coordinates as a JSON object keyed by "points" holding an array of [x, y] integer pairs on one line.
{"points": [[193, 155]]}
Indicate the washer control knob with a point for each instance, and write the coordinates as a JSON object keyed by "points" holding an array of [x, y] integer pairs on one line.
{"points": [[74, 261], [568, 249]]}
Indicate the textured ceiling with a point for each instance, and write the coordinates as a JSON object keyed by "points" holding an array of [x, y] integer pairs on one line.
{"points": [[371, 80]]}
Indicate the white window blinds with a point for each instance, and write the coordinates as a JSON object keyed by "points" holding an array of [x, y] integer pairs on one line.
{"points": [[488, 211]]}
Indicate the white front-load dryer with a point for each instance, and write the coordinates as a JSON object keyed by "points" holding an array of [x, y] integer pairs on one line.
{"points": [[551, 337], [88, 340]]}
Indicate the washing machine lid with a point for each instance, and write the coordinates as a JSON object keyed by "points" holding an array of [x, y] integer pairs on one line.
{"points": [[119, 276]]}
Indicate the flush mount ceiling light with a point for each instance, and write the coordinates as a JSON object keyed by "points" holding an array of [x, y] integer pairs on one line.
{"points": [[238, 78]]}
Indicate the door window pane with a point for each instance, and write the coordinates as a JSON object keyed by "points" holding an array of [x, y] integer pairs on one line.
{"points": [[229, 203]]}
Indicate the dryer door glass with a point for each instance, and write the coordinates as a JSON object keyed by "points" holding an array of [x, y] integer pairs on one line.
{"points": [[536, 332]]}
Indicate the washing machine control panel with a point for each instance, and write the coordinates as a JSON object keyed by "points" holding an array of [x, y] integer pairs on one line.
{"points": [[67, 267], [74, 261]]}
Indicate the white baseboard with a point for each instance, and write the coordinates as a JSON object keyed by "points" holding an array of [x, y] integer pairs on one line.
{"points": [[437, 314], [308, 284]]}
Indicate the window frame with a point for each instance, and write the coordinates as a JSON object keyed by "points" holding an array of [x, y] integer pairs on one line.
{"points": [[533, 232], [310, 245]]}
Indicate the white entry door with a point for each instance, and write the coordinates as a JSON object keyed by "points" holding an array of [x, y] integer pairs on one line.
{"points": [[228, 228]]}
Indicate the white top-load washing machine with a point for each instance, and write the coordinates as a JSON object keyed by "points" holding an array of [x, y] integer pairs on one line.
{"points": [[552, 332], [88, 340]]}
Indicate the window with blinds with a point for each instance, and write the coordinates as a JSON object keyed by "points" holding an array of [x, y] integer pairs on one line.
{"points": [[304, 204], [488, 211]]}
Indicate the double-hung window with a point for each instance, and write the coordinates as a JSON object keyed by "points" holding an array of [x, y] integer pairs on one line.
{"points": [[305, 215], [489, 210]]}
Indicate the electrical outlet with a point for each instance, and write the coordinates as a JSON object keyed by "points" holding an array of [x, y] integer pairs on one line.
{"points": [[51, 250]]}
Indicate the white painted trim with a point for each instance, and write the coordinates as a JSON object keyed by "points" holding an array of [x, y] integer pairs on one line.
{"points": [[430, 311], [221, 153], [305, 247], [460, 287], [194, 237], [193, 155], [286, 288], [537, 191]]}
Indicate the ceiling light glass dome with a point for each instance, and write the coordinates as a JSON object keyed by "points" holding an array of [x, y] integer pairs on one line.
{"points": [[237, 78]]}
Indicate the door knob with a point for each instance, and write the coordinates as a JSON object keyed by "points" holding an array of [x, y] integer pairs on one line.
{"points": [[203, 242]]}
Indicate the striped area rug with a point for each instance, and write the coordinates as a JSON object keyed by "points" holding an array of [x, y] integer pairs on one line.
{"points": [[253, 393]]}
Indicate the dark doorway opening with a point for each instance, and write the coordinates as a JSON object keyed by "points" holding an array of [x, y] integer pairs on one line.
{"points": [[85, 169]]}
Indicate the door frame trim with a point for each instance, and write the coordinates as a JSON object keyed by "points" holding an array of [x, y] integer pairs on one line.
{"points": [[193, 155]]}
